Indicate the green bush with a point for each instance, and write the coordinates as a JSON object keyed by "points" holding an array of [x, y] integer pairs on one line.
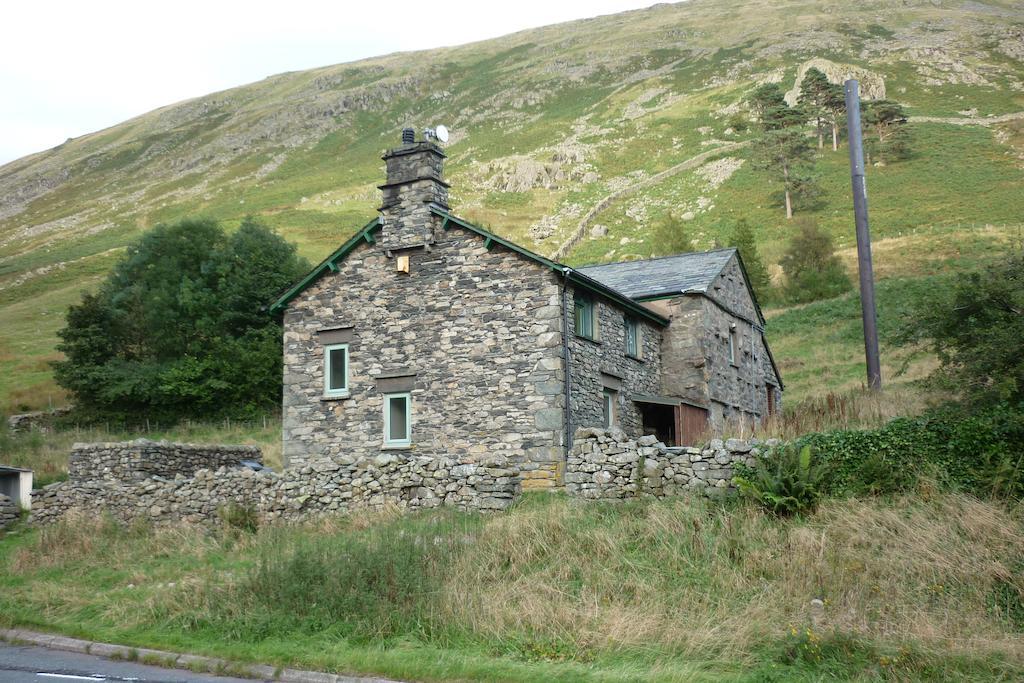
{"points": [[813, 271], [785, 481], [980, 453], [974, 325], [179, 329]]}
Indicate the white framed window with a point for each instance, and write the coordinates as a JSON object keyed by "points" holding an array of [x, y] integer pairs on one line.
{"points": [[584, 318], [609, 397], [632, 337], [336, 370], [732, 345], [397, 419]]}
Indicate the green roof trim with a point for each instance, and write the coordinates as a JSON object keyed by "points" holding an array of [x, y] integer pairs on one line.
{"points": [[328, 264], [571, 274]]}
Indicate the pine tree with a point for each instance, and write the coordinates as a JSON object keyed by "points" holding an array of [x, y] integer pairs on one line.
{"points": [[835, 106], [888, 139], [787, 154], [814, 93], [783, 149], [743, 239], [765, 98]]}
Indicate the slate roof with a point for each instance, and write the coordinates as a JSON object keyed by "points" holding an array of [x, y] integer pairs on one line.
{"points": [[669, 274]]}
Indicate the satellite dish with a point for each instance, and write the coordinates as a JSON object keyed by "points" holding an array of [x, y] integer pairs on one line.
{"points": [[441, 132]]}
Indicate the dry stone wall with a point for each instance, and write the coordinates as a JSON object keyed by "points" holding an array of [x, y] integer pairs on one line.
{"points": [[608, 464], [9, 511], [141, 459], [318, 487]]}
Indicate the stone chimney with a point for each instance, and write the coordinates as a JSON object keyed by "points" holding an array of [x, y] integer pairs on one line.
{"points": [[414, 181]]}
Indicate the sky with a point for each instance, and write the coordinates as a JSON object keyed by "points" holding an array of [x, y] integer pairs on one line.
{"points": [[70, 68]]}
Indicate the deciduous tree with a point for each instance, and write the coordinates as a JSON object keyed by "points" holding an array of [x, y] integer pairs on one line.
{"points": [[813, 271], [180, 327], [670, 235], [975, 327]]}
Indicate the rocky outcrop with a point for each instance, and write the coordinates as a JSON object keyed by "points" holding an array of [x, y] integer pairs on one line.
{"points": [[872, 85]]}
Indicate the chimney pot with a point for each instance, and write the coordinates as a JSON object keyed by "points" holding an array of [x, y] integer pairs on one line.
{"points": [[408, 136]]}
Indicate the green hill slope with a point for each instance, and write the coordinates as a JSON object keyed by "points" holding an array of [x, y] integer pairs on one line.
{"points": [[547, 124]]}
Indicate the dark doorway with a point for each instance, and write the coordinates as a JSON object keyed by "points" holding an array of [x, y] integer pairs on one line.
{"points": [[660, 420]]}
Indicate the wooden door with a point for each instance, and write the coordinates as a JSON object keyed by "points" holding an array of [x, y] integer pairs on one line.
{"points": [[691, 423]]}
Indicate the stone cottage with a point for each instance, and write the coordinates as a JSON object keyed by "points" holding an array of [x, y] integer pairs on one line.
{"points": [[426, 333]]}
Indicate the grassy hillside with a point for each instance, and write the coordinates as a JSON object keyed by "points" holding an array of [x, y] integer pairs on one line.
{"points": [[546, 123], [918, 588]]}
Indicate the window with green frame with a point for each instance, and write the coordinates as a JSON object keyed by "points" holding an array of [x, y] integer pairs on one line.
{"points": [[336, 370], [397, 420], [632, 328], [584, 317]]}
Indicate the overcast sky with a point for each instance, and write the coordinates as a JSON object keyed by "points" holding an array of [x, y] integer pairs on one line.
{"points": [[70, 68]]}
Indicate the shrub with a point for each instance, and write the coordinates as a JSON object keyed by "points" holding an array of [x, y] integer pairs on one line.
{"points": [[979, 453], [669, 235], [975, 328], [179, 329], [785, 481], [813, 271]]}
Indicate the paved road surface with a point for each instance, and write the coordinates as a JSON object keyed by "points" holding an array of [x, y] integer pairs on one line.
{"points": [[28, 664]]}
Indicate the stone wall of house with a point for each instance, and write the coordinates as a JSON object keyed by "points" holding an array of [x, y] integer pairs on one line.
{"points": [[473, 333], [736, 390], [609, 464], [141, 459], [9, 511], [683, 362], [318, 487], [602, 363]]}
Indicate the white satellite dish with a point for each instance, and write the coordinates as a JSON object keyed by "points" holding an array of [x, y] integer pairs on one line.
{"points": [[440, 133]]}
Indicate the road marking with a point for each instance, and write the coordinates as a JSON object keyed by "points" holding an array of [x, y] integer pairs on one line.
{"points": [[72, 677]]}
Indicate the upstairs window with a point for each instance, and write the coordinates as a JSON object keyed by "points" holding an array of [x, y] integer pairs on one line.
{"points": [[397, 420], [732, 345], [336, 370], [585, 318], [632, 337]]}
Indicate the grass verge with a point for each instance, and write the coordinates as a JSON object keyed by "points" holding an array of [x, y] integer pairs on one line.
{"points": [[926, 587]]}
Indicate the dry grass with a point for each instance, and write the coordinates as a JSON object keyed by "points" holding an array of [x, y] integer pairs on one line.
{"points": [[853, 409], [558, 580], [698, 579]]}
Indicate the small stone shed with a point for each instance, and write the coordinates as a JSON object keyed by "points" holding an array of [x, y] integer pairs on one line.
{"points": [[426, 335], [16, 484]]}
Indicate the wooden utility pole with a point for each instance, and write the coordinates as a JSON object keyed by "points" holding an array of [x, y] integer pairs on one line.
{"points": [[860, 215]]}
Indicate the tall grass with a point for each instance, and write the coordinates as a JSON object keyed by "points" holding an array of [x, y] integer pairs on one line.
{"points": [[852, 409], [927, 586]]}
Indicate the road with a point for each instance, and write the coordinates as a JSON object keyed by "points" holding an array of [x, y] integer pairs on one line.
{"points": [[25, 664]]}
